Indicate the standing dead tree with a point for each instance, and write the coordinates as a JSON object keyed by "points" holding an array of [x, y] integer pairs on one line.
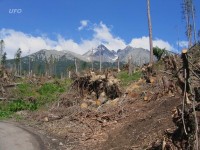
{"points": [[92, 59], [150, 31], [75, 64], [130, 66], [189, 16], [194, 24]]}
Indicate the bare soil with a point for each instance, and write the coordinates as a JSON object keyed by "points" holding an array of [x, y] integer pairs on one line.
{"points": [[146, 124], [136, 120], [131, 123]]}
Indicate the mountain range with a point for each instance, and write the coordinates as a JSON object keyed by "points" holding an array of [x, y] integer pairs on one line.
{"points": [[139, 55], [56, 62]]}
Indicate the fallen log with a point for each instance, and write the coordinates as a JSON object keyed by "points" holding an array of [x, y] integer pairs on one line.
{"points": [[17, 76], [11, 85], [1, 98]]}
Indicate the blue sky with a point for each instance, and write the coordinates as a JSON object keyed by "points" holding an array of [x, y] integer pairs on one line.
{"points": [[79, 25]]}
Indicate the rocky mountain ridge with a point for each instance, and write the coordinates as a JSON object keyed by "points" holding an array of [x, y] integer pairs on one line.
{"points": [[139, 55]]}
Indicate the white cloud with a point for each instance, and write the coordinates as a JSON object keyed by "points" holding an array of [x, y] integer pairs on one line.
{"points": [[69, 44], [84, 24], [15, 39], [143, 42], [163, 44], [101, 35]]}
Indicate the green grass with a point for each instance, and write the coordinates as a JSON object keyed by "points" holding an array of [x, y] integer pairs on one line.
{"points": [[50, 88], [4, 114], [25, 90], [49, 92], [42, 95], [126, 79], [7, 109], [19, 104]]}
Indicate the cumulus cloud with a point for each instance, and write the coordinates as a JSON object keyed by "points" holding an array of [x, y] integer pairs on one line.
{"points": [[101, 35], [66, 44], [143, 42], [84, 23], [16, 39]]}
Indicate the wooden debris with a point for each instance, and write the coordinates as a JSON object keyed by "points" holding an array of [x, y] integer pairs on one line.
{"points": [[84, 105], [104, 86]]}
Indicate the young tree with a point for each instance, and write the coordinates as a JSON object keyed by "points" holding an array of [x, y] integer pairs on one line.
{"points": [[158, 52], [2, 45], [150, 31], [18, 61], [3, 61]]}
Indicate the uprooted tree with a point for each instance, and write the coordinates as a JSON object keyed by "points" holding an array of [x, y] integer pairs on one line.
{"points": [[97, 84]]}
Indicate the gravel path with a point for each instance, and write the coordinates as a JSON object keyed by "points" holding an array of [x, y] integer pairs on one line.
{"points": [[13, 137]]}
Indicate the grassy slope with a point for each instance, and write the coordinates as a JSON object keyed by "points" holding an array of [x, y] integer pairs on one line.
{"points": [[31, 97]]}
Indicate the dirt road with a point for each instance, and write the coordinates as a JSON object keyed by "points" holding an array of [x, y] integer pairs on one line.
{"points": [[13, 137]]}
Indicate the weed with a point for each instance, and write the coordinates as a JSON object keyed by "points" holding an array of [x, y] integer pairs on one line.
{"points": [[126, 78]]}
